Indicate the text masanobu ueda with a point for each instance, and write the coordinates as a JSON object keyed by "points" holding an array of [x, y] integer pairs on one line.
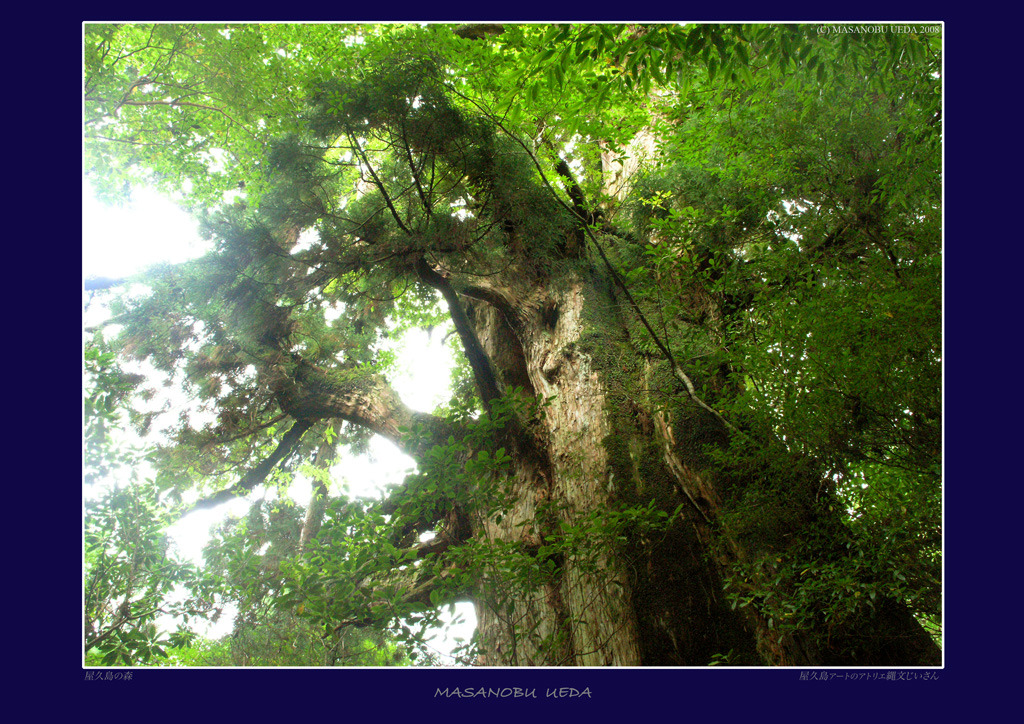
{"points": [[512, 692]]}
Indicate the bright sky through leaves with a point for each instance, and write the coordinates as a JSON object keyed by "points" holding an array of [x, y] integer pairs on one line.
{"points": [[120, 241]]}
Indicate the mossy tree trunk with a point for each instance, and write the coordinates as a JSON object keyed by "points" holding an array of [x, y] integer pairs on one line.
{"points": [[593, 470], [613, 594]]}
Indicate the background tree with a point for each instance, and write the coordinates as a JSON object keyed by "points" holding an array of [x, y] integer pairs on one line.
{"points": [[245, 563], [693, 274], [814, 240], [132, 576]]}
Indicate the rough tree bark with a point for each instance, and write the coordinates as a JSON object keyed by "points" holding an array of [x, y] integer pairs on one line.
{"points": [[640, 601], [628, 603]]}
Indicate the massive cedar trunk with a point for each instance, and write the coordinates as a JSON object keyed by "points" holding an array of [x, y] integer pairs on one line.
{"points": [[585, 614], [614, 443], [636, 597]]}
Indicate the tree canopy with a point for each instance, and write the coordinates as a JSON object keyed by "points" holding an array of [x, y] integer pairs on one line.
{"points": [[692, 276]]}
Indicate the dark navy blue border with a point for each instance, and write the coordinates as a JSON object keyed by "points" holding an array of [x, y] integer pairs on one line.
{"points": [[981, 394]]}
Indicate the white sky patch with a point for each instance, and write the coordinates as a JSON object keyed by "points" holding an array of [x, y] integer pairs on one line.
{"points": [[306, 240], [120, 241], [424, 368]]}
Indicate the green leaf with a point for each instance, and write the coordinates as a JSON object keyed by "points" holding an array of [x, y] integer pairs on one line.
{"points": [[740, 52]]}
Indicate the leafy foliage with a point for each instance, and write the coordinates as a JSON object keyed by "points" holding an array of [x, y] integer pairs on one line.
{"points": [[132, 577], [769, 198], [795, 261], [249, 563]]}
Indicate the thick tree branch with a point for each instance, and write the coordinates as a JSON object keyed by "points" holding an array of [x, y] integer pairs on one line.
{"points": [[367, 401], [417, 591], [616, 277], [579, 202], [483, 371], [325, 456], [476, 31], [116, 626], [259, 473]]}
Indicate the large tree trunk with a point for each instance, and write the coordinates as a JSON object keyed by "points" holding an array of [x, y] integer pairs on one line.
{"points": [[616, 600], [573, 567], [629, 596]]}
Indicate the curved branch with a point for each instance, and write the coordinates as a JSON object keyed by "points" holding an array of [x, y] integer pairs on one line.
{"points": [[368, 401], [378, 183], [416, 590], [178, 103], [413, 171], [483, 371], [573, 189], [259, 473]]}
